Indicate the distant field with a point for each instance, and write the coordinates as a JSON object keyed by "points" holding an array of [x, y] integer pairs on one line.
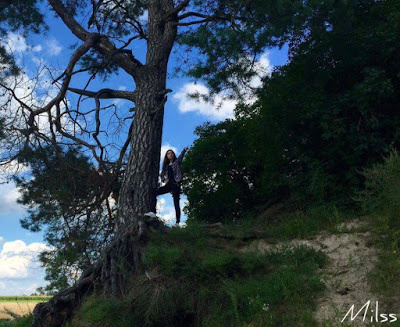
{"points": [[19, 305]]}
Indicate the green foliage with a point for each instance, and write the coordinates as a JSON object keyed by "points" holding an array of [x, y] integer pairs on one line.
{"points": [[298, 224], [191, 280], [24, 321], [382, 187], [227, 46], [380, 200], [319, 119], [63, 194], [100, 311], [218, 172], [98, 65], [21, 15]]}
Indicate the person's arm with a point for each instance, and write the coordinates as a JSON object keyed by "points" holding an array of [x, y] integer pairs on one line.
{"points": [[180, 158]]}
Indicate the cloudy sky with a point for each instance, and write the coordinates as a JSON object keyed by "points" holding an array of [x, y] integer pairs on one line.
{"points": [[20, 272]]}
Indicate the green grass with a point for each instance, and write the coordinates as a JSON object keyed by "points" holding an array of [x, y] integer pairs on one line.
{"points": [[385, 277], [192, 281], [381, 202], [24, 321], [287, 224]]}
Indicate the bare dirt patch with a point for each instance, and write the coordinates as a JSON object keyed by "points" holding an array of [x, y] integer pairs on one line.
{"points": [[351, 256]]}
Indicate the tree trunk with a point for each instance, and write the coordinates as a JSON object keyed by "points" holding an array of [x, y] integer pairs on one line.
{"points": [[141, 175], [122, 258]]}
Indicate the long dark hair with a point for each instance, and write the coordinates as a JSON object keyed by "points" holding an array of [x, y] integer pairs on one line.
{"points": [[166, 160]]}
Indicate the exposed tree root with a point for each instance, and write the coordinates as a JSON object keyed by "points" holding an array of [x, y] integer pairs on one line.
{"points": [[120, 259]]}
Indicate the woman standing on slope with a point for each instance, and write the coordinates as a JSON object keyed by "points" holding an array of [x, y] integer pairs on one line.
{"points": [[171, 175]]}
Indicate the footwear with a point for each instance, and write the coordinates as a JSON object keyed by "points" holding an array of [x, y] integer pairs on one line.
{"points": [[175, 225], [150, 214]]}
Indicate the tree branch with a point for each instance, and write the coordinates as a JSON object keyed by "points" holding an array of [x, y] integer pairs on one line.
{"points": [[74, 59], [177, 9], [127, 62], [106, 94]]}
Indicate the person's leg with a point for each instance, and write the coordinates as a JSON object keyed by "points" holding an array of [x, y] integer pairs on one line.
{"points": [[163, 189], [176, 197]]}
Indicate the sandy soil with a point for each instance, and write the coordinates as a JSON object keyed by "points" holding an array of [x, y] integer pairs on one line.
{"points": [[351, 256], [19, 308]]}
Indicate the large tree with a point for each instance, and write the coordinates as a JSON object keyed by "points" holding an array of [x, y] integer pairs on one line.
{"points": [[229, 34]]}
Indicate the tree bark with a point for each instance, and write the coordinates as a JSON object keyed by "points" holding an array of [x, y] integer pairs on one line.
{"points": [[140, 178], [141, 175]]}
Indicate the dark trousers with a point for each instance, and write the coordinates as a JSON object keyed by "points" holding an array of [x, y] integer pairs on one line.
{"points": [[175, 189]]}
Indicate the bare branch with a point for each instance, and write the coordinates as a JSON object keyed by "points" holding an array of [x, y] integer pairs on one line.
{"points": [[106, 94], [126, 61], [177, 9], [74, 59], [192, 13]]}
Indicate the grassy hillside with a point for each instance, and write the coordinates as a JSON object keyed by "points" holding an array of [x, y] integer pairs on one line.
{"points": [[198, 276]]}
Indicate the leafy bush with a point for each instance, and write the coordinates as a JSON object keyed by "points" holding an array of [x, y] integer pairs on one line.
{"points": [[381, 200]]}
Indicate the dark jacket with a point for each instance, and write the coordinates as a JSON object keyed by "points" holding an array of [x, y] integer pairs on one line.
{"points": [[176, 167]]}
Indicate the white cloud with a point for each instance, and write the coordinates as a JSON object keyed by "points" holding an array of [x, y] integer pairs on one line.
{"points": [[221, 108], [263, 67], [37, 48], [16, 42], [8, 199], [167, 211], [53, 47], [20, 261]]}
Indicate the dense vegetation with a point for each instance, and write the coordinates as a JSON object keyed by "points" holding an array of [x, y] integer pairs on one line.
{"points": [[329, 112], [381, 201]]}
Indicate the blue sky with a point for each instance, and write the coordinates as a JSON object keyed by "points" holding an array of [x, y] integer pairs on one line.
{"points": [[20, 272]]}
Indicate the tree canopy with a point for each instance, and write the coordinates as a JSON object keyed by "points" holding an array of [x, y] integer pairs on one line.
{"points": [[23, 16], [322, 117]]}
